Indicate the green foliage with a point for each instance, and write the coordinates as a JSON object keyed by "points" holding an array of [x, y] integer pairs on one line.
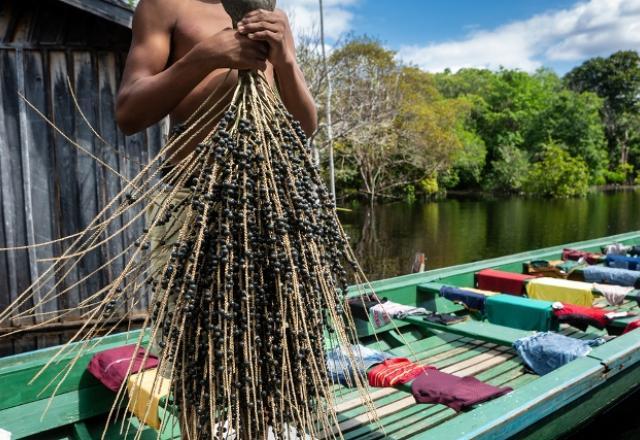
{"points": [[508, 170], [622, 174], [573, 119], [402, 132], [557, 174], [616, 79], [410, 194], [429, 186]]}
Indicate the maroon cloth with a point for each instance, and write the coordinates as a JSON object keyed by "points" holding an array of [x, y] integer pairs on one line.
{"points": [[500, 281], [575, 255], [581, 317], [456, 392], [111, 366], [632, 326]]}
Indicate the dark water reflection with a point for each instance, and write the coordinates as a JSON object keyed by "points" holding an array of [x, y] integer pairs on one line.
{"points": [[386, 237]]}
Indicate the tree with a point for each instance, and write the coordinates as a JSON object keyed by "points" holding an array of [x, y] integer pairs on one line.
{"points": [[392, 124], [557, 174], [617, 80], [508, 169], [573, 120]]}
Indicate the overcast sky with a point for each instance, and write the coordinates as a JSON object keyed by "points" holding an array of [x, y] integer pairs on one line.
{"points": [[523, 34]]}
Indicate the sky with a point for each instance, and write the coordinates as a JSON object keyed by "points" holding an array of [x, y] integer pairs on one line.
{"points": [[521, 34]]}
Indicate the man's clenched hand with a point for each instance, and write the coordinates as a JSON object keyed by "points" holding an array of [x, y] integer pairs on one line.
{"points": [[272, 27]]}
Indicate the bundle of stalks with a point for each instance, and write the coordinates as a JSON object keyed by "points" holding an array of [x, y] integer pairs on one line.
{"points": [[248, 265]]}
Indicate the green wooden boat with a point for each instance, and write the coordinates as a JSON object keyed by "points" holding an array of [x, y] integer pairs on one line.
{"points": [[538, 408]]}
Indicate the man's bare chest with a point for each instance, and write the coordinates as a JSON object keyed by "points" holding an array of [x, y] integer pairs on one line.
{"points": [[197, 21]]}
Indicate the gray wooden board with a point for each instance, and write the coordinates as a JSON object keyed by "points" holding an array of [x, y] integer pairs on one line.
{"points": [[65, 163], [85, 89], [40, 158]]}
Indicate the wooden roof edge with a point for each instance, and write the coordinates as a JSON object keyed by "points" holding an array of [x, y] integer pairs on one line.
{"points": [[115, 11]]}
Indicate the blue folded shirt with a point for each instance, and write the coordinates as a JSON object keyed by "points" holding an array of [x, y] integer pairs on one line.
{"points": [[547, 351]]}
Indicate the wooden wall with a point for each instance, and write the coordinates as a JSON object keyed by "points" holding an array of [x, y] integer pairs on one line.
{"points": [[48, 188]]}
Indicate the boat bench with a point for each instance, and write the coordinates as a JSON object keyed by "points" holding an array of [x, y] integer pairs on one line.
{"points": [[27, 408]]}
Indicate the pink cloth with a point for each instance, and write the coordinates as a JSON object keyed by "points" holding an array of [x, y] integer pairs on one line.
{"points": [[111, 366], [575, 255]]}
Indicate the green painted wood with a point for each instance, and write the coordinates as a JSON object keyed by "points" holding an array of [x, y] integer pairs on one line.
{"points": [[620, 353], [579, 412], [510, 414], [80, 431], [17, 371], [480, 330], [65, 409]]}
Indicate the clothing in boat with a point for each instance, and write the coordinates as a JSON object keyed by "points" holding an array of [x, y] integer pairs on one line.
{"points": [[360, 305], [382, 313], [616, 249], [501, 281], [622, 262], [396, 371], [458, 393], [112, 367], [580, 317], [615, 295], [632, 326], [576, 255], [343, 370], [545, 352], [610, 275], [471, 300], [518, 312], [567, 291]]}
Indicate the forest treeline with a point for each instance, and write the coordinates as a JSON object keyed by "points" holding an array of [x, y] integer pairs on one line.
{"points": [[403, 133]]}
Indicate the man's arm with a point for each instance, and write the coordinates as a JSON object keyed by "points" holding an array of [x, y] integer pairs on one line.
{"points": [[273, 27], [149, 92]]}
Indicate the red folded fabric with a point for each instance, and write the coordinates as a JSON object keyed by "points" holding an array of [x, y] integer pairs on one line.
{"points": [[396, 371], [458, 393], [111, 366], [575, 255], [581, 317], [500, 281], [632, 326]]}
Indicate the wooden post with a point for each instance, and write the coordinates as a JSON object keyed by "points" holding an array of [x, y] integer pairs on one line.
{"points": [[419, 263]]}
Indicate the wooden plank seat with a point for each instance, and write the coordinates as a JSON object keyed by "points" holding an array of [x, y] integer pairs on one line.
{"points": [[79, 397]]}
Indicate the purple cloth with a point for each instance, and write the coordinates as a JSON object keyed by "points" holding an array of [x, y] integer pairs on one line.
{"points": [[458, 393], [111, 366]]}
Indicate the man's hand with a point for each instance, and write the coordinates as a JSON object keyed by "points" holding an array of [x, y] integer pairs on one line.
{"points": [[229, 49], [272, 27]]}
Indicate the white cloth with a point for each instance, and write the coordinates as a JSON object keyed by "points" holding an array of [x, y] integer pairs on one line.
{"points": [[616, 249], [381, 314], [614, 295]]}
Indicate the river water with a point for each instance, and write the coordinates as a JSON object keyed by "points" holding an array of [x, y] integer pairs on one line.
{"points": [[387, 237]]}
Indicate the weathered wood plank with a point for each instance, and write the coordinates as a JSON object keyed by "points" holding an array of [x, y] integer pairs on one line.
{"points": [[40, 160], [86, 90], [67, 196], [109, 184], [19, 274]]}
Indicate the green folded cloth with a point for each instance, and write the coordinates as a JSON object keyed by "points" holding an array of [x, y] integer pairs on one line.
{"points": [[521, 313]]}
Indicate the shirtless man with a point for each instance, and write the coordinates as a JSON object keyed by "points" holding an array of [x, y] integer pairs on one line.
{"points": [[181, 52]]}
